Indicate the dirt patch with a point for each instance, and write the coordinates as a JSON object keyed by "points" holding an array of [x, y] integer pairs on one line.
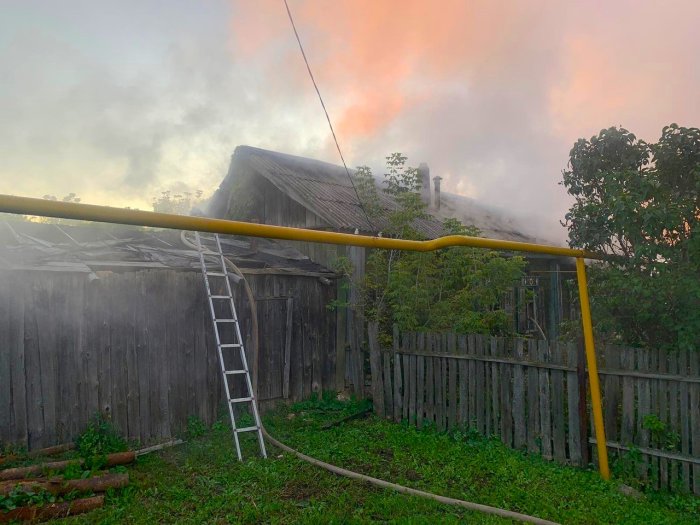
{"points": [[385, 453], [360, 466], [482, 479], [298, 490], [412, 475]]}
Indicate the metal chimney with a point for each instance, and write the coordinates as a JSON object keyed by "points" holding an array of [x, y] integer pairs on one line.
{"points": [[424, 172], [436, 181]]}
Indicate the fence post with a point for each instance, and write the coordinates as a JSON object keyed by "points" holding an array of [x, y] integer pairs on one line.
{"points": [[376, 369], [582, 401], [398, 399], [357, 357]]}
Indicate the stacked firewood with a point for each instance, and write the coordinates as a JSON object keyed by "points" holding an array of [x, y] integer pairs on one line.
{"points": [[45, 479]]}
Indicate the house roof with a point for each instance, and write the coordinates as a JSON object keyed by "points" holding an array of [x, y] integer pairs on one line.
{"points": [[92, 247], [321, 187], [493, 223], [324, 189]]}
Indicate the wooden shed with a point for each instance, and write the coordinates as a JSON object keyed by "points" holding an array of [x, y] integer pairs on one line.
{"points": [[100, 318]]}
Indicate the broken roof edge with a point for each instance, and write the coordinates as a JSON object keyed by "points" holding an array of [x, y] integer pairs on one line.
{"points": [[42, 246]]}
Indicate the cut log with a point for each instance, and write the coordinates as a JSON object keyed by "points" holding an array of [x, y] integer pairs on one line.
{"points": [[23, 472], [60, 486], [7, 459], [53, 510], [120, 458], [50, 451]]}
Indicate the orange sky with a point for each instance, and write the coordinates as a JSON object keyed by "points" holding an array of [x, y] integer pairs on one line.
{"points": [[491, 94], [134, 99], [378, 59], [368, 54]]}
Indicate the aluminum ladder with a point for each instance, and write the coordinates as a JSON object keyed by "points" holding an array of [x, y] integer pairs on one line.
{"points": [[211, 258]]}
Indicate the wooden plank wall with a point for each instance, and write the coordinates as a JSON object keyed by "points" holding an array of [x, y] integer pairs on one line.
{"points": [[272, 206], [139, 346], [530, 394]]}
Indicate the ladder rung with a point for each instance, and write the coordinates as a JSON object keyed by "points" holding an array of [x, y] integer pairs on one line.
{"points": [[230, 345], [224, 320], [240, 400], [246, 429], [221, 297], [234, 372], [216, 274]]}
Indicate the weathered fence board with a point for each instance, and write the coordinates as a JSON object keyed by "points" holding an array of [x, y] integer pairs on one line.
{"points": [[519, 421], [574, 421], [558, 396], [661, 395], [695, 418], [463, 416], [388, 392], [412, 387], [429, 391], [420, 386], [480, 380], [495, 389], [533, 395], [378, 394], [506, 373], [533, 407], [685, 419], [545, 401], [396, 358]]}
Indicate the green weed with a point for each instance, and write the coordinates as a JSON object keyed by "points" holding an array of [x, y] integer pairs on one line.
{"points": [[203, 482], [97, 441], [195, 427]]}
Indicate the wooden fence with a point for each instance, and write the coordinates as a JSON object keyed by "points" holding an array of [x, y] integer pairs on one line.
{"points": [[139, 347], [533, 396]]}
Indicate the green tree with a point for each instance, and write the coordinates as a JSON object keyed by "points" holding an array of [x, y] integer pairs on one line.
{"points": [[457, 288], [71, 198], [179, 203], [640, 203]]}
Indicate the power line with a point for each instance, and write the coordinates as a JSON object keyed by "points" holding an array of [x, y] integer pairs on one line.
{"points": [[328, 118]]}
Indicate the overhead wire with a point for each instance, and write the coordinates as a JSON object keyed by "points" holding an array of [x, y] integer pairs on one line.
{"points": [[328, 118], [344, 472]]}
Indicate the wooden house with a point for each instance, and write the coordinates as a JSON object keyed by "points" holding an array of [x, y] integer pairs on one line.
{"points": [[276, 188]]}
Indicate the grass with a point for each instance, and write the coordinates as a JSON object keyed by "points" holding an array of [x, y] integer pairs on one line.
{"points": [[202, 481]]}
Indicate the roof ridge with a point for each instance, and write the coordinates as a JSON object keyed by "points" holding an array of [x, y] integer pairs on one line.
{"points": [[245, 149]]}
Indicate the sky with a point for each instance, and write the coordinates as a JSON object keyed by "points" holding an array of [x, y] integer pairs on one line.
{"points": [[119, 101]]}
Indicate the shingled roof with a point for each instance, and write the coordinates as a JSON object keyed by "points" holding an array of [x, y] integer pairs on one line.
{"points": [[324, 189], [321, 187]]}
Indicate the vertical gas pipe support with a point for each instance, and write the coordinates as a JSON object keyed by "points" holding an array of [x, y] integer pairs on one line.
{"points": [[596, 400]]}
